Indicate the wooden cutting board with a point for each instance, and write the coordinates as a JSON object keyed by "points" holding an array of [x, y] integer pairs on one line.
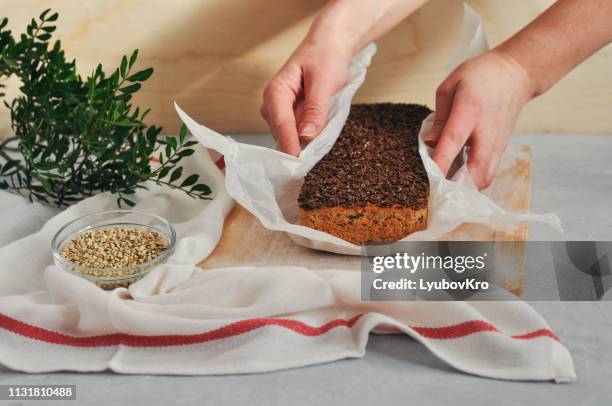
{"points": [[246, 242]]}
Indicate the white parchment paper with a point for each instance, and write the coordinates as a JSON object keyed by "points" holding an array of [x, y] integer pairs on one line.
{"points": [[267, 182]]}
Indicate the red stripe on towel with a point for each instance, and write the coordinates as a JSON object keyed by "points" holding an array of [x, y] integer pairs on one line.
{"points": [[476, 326], [242, 327], [220, 163], [230, 330]]}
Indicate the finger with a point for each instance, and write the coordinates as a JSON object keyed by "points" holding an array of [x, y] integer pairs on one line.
{"points": [[298, 108], [444, 101], [278, 112], [317, 92], [483, 159], [458, 128]]}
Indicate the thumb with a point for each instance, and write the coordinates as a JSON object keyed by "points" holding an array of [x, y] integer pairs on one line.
{"points": [[314, 110]]}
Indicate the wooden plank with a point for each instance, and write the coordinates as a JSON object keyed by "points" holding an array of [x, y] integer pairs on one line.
{"points": [[215, 56], [246, 242]]}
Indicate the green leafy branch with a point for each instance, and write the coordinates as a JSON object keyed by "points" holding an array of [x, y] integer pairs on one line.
{"points": [[76, 136]]}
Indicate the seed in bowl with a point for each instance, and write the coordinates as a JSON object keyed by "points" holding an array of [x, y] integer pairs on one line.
{"points": [[114, 248]]}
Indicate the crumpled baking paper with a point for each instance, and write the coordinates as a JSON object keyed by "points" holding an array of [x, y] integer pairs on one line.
{"points": [[267, 182]]}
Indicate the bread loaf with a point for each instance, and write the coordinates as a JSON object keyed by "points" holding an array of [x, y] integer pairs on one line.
{"points": [[372, 185]]}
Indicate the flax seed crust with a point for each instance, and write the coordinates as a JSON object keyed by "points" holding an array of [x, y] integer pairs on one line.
{"points": [[372, 185]]}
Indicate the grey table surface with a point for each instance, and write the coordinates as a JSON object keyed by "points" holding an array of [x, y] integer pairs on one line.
{"points": [[572, 176]]}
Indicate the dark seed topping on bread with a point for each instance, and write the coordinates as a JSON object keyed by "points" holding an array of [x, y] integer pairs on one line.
{"points": [[375, 161]]}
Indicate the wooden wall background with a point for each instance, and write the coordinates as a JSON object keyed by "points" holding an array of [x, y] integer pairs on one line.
{"points": [[214, 56]]}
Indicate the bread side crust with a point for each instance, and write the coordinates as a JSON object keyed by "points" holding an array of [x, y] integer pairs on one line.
{"points": [[371, 223]]}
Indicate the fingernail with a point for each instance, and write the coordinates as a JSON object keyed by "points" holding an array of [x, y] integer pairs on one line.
{"points": [[308, 129]]}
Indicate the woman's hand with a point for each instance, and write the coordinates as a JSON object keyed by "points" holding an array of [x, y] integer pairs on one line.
{"points": [[295, 101], [478, 105], [480, 101]]}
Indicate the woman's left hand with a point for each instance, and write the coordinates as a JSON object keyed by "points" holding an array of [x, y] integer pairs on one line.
{"points": [[478, 105]]}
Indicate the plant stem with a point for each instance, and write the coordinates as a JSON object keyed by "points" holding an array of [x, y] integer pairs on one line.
{"points": [[189, 193]]}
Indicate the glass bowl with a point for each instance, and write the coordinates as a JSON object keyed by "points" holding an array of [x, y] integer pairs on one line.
{"points": [[113, 219]]}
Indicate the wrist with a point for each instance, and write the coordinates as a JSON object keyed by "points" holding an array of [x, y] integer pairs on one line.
{"points": [[334, 29], [524, 77], [352, 24], [332, 41]]}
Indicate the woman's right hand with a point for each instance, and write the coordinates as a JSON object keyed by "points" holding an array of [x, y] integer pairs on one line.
{"points": [[295, 101]]}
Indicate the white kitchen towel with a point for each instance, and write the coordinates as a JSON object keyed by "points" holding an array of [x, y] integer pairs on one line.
{"points": [[182, 320]]}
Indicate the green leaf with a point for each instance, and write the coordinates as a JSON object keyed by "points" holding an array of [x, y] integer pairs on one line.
{"points": [[176, 174], [182, 133], [164, 172], [141, 76], [113, 80], [125, 97], [8, 166], [133, 58], [171, 141], [190, 180], [128, 202], [40, 197], [49, 29], [98, 71], [122, 123], [186, 152], [44, 37], [144, 115], [133, 88], [46, 184], [123, 67], [44, 14], [190, 143], [53, 17], [201, 188]]}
